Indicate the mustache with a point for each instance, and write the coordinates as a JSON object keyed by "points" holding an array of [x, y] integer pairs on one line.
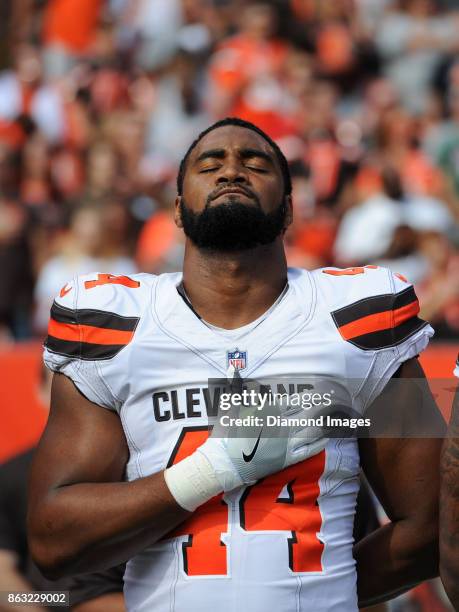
{"points": [[213, 195]]}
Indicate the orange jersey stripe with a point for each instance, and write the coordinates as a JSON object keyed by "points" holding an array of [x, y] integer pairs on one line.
{"points": [[88, 333], [379, 321]]}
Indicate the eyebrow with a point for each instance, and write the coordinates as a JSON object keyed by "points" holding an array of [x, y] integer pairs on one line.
{"points": [[244, 153], [211, 153], [247, 153]]}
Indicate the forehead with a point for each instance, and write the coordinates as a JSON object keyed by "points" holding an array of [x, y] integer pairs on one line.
{"points": [[232, 138]]}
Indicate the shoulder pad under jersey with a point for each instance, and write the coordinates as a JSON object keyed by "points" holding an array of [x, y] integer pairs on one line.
{"points": [[371, 307], [95, 316]]}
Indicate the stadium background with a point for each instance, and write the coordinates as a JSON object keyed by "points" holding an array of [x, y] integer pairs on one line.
{"points": [[99, 99]]}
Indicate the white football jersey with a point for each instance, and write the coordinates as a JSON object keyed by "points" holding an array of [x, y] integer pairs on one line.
{"points": [[132, 345]]}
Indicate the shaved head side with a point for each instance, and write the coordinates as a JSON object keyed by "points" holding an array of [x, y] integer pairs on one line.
{"points": [[249, 126]]}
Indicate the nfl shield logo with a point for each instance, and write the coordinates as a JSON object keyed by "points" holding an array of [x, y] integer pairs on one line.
{"points": [[237, 359]]}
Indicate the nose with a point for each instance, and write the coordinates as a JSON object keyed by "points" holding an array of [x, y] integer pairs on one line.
{"points": [[232, 171]]}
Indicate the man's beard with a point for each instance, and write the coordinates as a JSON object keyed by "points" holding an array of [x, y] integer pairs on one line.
{"points": [[232, 226]]}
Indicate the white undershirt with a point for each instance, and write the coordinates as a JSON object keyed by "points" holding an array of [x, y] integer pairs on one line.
{"points": [[235, 334]]}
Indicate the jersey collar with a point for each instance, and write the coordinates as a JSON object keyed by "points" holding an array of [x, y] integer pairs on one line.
{"points": [[179, 322]]}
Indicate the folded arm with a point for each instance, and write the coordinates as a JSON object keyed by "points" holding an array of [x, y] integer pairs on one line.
{"points": [[82, 517]]}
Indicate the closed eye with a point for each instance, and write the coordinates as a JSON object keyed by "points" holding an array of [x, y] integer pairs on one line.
{"points": [[256, 168], [209, 169]]}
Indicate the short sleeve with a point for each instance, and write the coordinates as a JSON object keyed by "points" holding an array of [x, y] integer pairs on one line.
{"points": [[78, 338], [403, 336]]}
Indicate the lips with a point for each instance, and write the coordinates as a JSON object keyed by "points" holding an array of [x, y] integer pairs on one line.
{"points": [[232, 191]]}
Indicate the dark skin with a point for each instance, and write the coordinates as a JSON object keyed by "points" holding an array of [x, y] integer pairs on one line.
{"points": [[449, 508], [215, 281], [83, 517], [404, 474]]}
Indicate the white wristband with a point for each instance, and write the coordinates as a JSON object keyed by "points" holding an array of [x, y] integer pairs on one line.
{"points": [[192, 481]]}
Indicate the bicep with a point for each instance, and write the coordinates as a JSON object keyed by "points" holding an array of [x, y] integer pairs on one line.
{"points": [[403, 474], [404, 470], [82, 442]]}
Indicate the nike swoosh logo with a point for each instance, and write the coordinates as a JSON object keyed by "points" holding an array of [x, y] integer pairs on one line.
{"points": [[65, 290], [248, 458]]}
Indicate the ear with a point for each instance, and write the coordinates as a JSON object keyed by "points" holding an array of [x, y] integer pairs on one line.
{"points": [[288, 212], [177, 213]]}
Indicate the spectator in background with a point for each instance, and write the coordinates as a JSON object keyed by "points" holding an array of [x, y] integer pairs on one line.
{"points": [[35, 186], [154, 26], [103, 168], [93, 243], [178, 112], [22, 93], [16, 275], [398, 147], [442, 140], [125, 129], [367, 228], [96, 106], [16, 18], [309, 239], [245, 72], [439, 291], [160, 246], [69, 30], [411, 40]]}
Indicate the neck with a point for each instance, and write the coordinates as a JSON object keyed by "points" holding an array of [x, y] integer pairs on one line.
{"points": [[230, 290]]}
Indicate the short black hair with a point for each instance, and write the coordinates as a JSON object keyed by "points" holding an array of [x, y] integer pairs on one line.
{"points": [[250, 126]]}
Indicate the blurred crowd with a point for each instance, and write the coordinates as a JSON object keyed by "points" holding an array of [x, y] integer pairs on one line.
{"points": [[99, 99]]}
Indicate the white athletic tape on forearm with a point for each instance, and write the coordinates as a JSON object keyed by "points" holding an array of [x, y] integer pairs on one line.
{"points": [[192, 481]]}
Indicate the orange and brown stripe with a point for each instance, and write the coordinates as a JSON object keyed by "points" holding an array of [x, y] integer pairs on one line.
{"points": [[88, 334], [380, 321]]}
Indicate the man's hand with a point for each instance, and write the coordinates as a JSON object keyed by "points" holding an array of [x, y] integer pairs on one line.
{"points": [[242, 461], [228, 459]]}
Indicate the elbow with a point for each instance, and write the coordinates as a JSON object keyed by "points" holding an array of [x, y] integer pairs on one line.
{"points": [[49, 560], [52, 553]]}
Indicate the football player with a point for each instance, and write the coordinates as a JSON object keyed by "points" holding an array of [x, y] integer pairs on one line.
{"points": [[449, 505], [126, 468]]}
